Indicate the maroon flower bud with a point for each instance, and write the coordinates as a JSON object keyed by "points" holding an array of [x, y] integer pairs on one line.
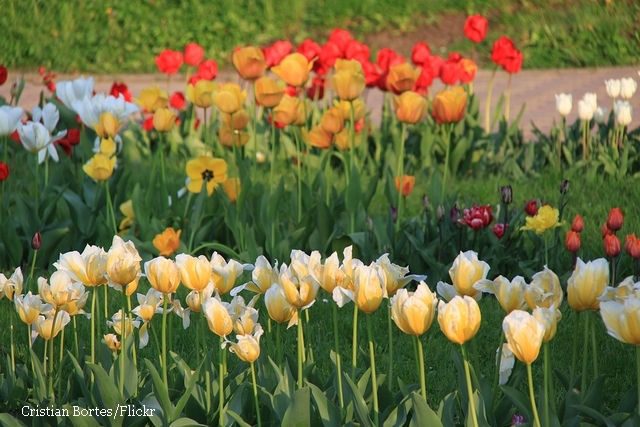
{"points": [[564, 186], [532, 207], [36, 241], [506, 194]]}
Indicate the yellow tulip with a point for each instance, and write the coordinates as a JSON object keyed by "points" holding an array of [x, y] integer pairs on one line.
{"points": [[332, 120], [299, 291], [413, 312], [286, 112], [108, 126], [524, 335], [78, 300], [622, 319], [268, 92], [449, 105], [332, 274], [148, 304], [459, 319], [348, 84], [545, 219], [88, 268], [263, 276], [58, 291], [249, 62], [359, 109], [46, 327], [229, 98], [587, 283], [544, 290], [201, 94], [163, 120], [123, 263], [245, 321], [402, 77], [168, 241], [466, 271], [229, 137], [236, 121], [548, 318], [278, 307], [100, 167], [395, 276], [342, 140], [108, 147], [112, 342], [116, 323], [510, 294], [293, 69], [224, 274], [129, 216], [162, 274], [248, 346], [152, 99], [195, 272], [369, 287], [11, 286], [30, 306], [410, 107], [205, 169], [218, 316], [193, 301]]}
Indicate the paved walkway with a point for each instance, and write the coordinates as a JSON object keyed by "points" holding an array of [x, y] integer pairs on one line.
{"points": [[536, 88]]}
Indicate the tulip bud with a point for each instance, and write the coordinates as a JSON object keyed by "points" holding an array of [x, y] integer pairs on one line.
{"points": [[394, 213], [563, 103], [612, 245], [564, 186], [440, 213], [14, 88], [499, 229], [615, 220], [578, 224], [369, 223], [572, 242], [600, 115], [506, 194], [531, 208], [613, 87], [632, 246], [36, 241], [454, 213], [585, 112], [606, 231]]}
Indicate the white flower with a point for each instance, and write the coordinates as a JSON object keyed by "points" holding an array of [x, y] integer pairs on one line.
{"points": [[78, 89], [36, 138], [600, 115], [628, 87], [613, 88], [623, 111], [9, 119], [90, 108], [564, 103], [592, 99], [507, 361], [585, 112]]}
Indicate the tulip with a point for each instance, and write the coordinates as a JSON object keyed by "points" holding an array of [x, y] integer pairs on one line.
{"points": [[100, 167], [628, 87], [544, 290], [123, 263], [332, 121], [349, 81], [563, 104], [585, 111], [163, 274], [148, 305], [117, 321], [466, 271], [163, 120], [300, 292], [510, 294], [545, 219], [449, 105], [206, 170], [632, 246], [88, 268], [112, 342], [167, 242], [507, 361], [78, 89], [9, 119], [107, 126], [459, 319], [279, 309], [506, 194], [318, 137], [600, 116], [49, 327], [359, 109], [572, 241], [406, 183], [294, 69], [202, 93], [249, 61], [578, 224], [402, 77], [286, 111], [248, 346], [477, 217], [224, 274], [193, 54], [524, 335], [613, 87], [591, 99], [268, 92], [169, 61], [413, 312], [410, 107], [587, 283], [30, 306], [475, 28], [548, 318], [37, 138], [218, 315], [615, 219], [229, 98], [263, 276], [622, 319], [623, 112], [195, 272], [612, 245], [232, 188], [11, 286], [152, 99], [58, 291], [245, 321]]}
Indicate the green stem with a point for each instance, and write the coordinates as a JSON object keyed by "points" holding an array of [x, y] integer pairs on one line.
{"points": [[135, 356], [448, 132], [496, 376], [532, 397], [507, 105], [574, 353], [33, 368], [272, 158], [37, 185], [106, 302], [546, 250], [165, 194], [13, 357], [221, 417], [354, 343], [352, 160], [423, 381], [487, 107], [124, 341], [307, 322], [279, 344], [300, 350], [374, 380], [111, 216], [467, 374], [547, 368], [164, 341], [390, 336], [400, 172], [299, 170], [53, 325], [33, 267], [585, 354], [75, 333], [594, 349], [337, 349], [255, 393]]}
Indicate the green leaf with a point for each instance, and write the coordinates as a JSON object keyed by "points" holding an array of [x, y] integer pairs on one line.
{"points": [[398, 416], [329, 414], [354, 395], [518, 398], [592, 413], [423, 415], [80, 421], [185, 422], [10, 421], [108, 394], [39, 381], [593, 398], [160, 391], [298, 413], [353, 193], [237, 418]]}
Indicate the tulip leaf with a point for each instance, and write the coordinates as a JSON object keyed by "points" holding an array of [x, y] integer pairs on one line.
{"points": [[39, 380], [518, 398], [593, 398], [353, 394], [328, 412], [160, 391], [629, 401], [353, 193], [236, 403], [108, 395], [446, 410], [182, 402], [11, 241], [80, 421], [398, 416], [423, 415], [237, 418], [298, 413], [593, 414], [185, 422], [274, 201], [10, 421], [131, 374]]}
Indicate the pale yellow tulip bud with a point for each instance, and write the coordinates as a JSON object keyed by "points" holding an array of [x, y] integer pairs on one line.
{"points": [[524, 335], [459, 319]]}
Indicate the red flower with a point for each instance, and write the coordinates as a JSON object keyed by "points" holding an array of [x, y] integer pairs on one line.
{"points": [[340, 38], [477, 217], [358, 51], [3, 75], [420, 54], [71, 139], [169, 61], [4, 171], [450, 73], [606, 231], [434, 63], [359, 126], [506, 55], [118, 89], [424, 81], [371, 74], [328, 55], [612, 245], [387, 58], [16, 137], [475, 28], [177, 100], [578, 224], [632, 246], [468, 70], [572, 241], [499, 229], [278, 124], [208, 70], [309, 48], [194, 79], [47, 79], [513, 63], [276, 52], [532, 207], [615, 220], [148, 124], [193, 54], [316, 90], [292, 91]]}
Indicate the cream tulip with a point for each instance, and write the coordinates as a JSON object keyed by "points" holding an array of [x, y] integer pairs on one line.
{"points": [[162, 274], [628, 88], [548, 318], [524, 335], [88, 267], [622, 319], [224, 274], [613, 87], [248, 346], [48, 327], [413, 312], [459, 319], [510, 294], [218, 315], [300, 292], [544, 290], [195, 272], [564, 103], [30, 306], [587, 282], [278, 307], [123, 263], [623, 112]]}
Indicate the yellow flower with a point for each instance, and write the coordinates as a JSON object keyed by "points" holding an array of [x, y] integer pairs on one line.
{"points": [[268, 92], [449, 105], [410, 107], [11, 286], [587, 283], [402, 77], [332, 121], [544, 290], [162, 274], [206, 170], [108, 126], [123, 263], [30, 306], [348, 82], [510, 294], [262, 276], [299, 291], [467, 270], [332, 274], [168, 241], [293, 69], [88, 268], [148, 304], [248, 346], [116, 323], [278, 307], [108, 147], [58, 291], [152, 99], [232, 188], [413, 312], [395, 275], [164, 119], [245, 320], [622, 319], [129, 216], [369, 287], [100, 167], [524, 335], [359, 109], [548, 318], [249, 62], [342, 140], [545, 219], [286, 112], [459, 319], [201, 95], [195, 273], [229, 98], [236, 121], [112, 342], [218, 315], [223, 273], [229, 138], [46, 327]]}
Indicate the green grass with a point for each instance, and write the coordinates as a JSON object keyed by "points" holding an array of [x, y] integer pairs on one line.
{"points": [[122, 36]]}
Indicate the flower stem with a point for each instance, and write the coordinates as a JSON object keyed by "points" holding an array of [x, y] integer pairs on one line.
{"points": [[222, 419], [593, 345], [279, 344], [374, 380], [93, 325], [53, 326], [400, 173], [255, 393], [585, 354], [423, 381], [547, 372], [352, 216], [487, 106], [532, 397], [124, 341], [448, 132], [164, 341], [638, 373], [574, 353], [300, 350], [299, 171], [390, 336], [337, 349], [467, 374], [111, 216], [354, 343], [496, 376], [507, 106], [13, 357]]}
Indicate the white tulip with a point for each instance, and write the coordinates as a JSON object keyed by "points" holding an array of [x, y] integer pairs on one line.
{"points": [[90, 108], [623, 111], [564, 103], [600, 115], [48, 115], [78, 89], [36, 138], [592, 99], [585, 112], [613, 88], [628, 88], [9, 119]]}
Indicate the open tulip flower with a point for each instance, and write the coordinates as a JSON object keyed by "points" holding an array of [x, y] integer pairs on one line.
{"points": [[548, 318], [201, 94], [587, 283], [88, 267], [247, 347], [123, 263], [396, 276], [153, 98], [206, 170], [622, 319], [299, 291], [218, 315], [78, 89], [413, 312], [38, 137], [544, 290], [9, 119], [30, 306], [545, 219], [224, 274], [195, 272], [12, 285], [510, 294], [117, 321], [278, 307], [167, 242], [250, 62], [162, 274], [293, 69], [48, 327], [466, 272], [369, 288]]}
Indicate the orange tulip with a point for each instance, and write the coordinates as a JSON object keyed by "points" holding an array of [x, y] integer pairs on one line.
{"points": [[318, 137], [229, 137], [449, 105], [402, 77], [348, 82], [168, 241], [232, 188], [332, 121], [615, 220], [294, 69], [410, 107], [268, 92], [249, 62], [286, 111], [408, 182]]}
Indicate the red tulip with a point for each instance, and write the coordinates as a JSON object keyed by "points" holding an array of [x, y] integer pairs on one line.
{"points": [[420, 54], [531, 208], [513, 63], [310, 49], [572, 241], [387, 58], [499, 229], [468, 70], [450, 73], [371, 74], [177, 100], [3, 74], [169, 61], [316, 90], [275, 53], [506, 55], [424, 81], [612, 245], [208, 70], [358, 51], [148, 124], [193, 54], [578, 224], [328, 55], [475, 28], [632, 246], [340, 38], [477, 217], [118, 89], [4, 171], [615, 220]]}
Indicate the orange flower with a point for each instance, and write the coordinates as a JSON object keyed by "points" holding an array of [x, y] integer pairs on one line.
{"points": [[410, 107], [249, 62], [318, 137], [615, 220], [449, 105], [294, 69], [286, 111], [232, 188], [632, 246], [268, 92], [332, 121], [572, 241], [578, 224], [167, 242], [612, 245], [408, 182], [402, 77]]}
